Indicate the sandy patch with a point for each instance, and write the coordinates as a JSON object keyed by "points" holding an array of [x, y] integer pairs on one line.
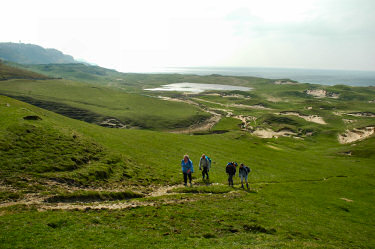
{"points": [[229, 112], [245, 120], [349, 121], [273, 147], [268, 133], [213, 94], [208, 101], [237, 96], [357, 134], [346, 199], [320, 93], [273, 99], [260, 107], [362, 114], [234, 105], [284, 82], [310, 118], [372, 101], [317, 93]]}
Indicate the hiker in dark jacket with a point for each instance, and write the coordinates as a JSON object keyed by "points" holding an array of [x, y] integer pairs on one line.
{"points": [[231, 171], [187, 169], [243, 173], [204, 165]]}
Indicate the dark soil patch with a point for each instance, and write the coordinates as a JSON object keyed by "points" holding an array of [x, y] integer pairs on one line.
{"points": [[255, 228], [92, 196], [32, 117]]}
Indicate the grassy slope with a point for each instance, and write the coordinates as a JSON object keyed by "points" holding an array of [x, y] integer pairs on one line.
{"points": [[133, 81], [9, 72], [298, 184], [316, 218], [76, 72], [103, 102]]}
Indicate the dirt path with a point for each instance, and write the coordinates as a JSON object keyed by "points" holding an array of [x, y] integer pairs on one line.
{"points": [[39, 202], [216, 117], [234, 105], [204, 126]]}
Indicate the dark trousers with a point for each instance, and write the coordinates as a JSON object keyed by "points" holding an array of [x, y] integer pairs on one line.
{"points": [[186, 175], [230, 179], [205, 172]]}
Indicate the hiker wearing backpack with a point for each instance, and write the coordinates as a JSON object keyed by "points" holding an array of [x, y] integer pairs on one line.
{"points": [[187, 169], [231, 171], [205, 165], [243, 173]]}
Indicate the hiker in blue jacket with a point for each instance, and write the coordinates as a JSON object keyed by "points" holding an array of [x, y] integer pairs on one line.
{"points": [[243, 173], [205, 165], [187, 169]]}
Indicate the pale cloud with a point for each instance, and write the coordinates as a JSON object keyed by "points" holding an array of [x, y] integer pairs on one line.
{"points": [[138, 35]]}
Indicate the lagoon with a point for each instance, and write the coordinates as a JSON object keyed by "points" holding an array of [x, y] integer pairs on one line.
{"points": [[197, 87]]}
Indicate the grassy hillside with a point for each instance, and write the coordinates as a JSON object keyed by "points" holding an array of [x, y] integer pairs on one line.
{"points": [[305, 193], [77, 72], [98, 104], [130, 81], [68, 183], [8, 72]]}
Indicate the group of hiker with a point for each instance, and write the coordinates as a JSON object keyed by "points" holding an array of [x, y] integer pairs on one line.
{"points": [[205, 166]]}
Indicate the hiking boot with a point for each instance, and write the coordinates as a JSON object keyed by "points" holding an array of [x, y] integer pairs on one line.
{"points": [[185, 184], [242, 186], [247, 185]]}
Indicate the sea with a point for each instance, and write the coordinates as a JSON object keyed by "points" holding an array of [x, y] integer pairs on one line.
{"points": [[317, 76]]}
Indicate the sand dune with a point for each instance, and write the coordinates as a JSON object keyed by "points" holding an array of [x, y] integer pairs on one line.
{"points": [[268, 133], [320, 93], [311, 118], [356, 134]]}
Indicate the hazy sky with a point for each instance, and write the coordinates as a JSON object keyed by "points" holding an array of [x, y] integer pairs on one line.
{"points": [[138, 35]]}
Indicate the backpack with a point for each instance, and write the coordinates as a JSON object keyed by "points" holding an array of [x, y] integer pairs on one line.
{"points": [[209, 161], [247, 169]]}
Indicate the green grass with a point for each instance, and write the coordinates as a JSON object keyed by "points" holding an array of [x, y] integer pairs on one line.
{"points": [[212, 189], [304, 193], [8, 72], [96, 104], [227, 124], [295, 215], [76, 72]]}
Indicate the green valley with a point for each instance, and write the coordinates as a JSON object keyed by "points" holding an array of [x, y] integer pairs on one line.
{"points": [[107, 172]]}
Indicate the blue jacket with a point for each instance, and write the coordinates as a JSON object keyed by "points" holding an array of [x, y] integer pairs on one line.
{"points": [[243, 171], [187, 166]]}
